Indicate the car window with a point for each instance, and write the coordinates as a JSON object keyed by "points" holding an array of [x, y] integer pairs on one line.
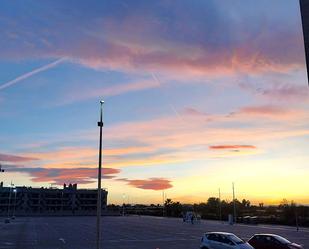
{"points": [[211, 237], [257, 238], [281, 240], [235, 239], [214, 237], [224, 239], [270, 240]]}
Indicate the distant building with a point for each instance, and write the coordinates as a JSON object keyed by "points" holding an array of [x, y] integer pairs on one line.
{"points": [[304, 7], [50, 201]]}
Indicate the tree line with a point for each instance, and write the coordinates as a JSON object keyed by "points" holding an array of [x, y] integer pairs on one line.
{"points": [[286, 213]]}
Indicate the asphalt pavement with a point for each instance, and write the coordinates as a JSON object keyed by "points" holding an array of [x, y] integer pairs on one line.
{"points": [[132, 232]]}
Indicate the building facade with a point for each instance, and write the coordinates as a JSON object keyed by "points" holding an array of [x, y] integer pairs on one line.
{"points": [[49, 201]]}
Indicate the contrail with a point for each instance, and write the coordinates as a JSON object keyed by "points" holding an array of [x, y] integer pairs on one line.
{"points": [[169, 103], [31, 73]]}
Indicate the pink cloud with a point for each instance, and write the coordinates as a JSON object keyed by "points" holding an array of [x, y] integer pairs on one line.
{"points": [[263, 110], [287, 92], [279, 91], [149, 184], [190, 41], [271, 112], [60, 176], [15, 158]]}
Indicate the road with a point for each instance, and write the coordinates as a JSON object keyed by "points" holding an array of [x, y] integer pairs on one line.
{"points": [[131, 232]]}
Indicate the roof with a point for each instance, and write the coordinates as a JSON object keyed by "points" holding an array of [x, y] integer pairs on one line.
{"points": [[264, 234], [223, 233]]}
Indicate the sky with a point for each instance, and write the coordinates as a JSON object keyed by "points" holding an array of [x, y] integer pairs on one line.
{"points": [[198, 94]]}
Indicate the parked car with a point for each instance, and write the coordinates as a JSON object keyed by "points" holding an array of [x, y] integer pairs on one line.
{"points": [[250, 220], [272, 241], [220, 240]]}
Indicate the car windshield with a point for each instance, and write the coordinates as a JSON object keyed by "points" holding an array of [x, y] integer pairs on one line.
{"points": [[282, 240], [235, 239]]}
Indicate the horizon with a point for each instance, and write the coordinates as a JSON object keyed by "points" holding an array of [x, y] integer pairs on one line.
{"points": [[197, 96]]}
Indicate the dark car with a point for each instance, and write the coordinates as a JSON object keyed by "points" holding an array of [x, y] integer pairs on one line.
{"points": [[272, 241]]}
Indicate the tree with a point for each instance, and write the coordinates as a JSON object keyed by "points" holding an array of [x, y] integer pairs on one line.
{"points": [[245, 203]]}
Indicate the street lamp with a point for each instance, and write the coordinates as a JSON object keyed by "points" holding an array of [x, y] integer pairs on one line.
{"points": [[1, 170], [220, 206], [7, 220], [15, 192], [234, 203], [100, 124], [123, 199]]}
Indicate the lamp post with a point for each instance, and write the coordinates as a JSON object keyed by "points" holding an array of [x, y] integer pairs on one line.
{"points": [[100, 124], [9, 204], [1, 170], [15, 192], [220, 207], [123, 204], [234, 203]]}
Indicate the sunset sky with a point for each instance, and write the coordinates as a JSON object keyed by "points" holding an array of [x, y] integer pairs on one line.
{"points": [[198, 94]]}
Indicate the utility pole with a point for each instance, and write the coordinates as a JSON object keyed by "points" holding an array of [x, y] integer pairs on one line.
{"points": [[220, 210], [234, 203], [100, 124]]}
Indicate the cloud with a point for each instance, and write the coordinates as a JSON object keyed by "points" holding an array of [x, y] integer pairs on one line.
{"points": [[231, 147], [30, 74], [144, 142], [60, 176], [263, 110], [149, 184], [205, 38], [15, 158], [278, 91], [287, 92], [271, 112], [104, 92]]}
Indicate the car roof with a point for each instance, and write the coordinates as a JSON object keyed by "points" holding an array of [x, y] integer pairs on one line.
{"points": [[223, 233], [265, 234]]}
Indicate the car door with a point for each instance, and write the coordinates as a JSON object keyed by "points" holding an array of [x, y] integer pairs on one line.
{"points": [[271, 243], [258, 242]]}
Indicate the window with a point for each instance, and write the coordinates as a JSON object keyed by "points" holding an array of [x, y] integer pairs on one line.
{"points": [[213, 237], [235, 239], [224, 239]]}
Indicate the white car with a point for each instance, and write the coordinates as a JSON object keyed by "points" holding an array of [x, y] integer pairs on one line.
{"points": [[220, 240]]}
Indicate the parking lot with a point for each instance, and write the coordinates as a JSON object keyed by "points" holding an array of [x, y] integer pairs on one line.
{"points": [[130, 232]]}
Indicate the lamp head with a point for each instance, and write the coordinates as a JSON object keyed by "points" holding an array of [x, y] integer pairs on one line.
{"points": [[102, 101]]}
